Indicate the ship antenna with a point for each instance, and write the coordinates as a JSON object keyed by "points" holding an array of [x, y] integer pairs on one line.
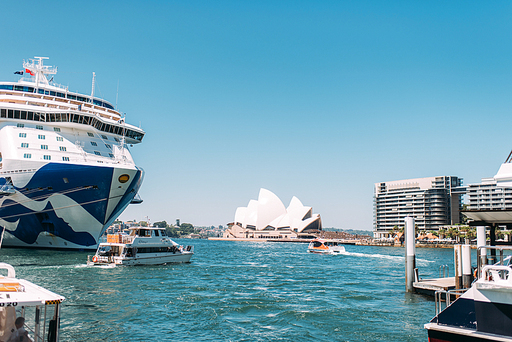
{"points": [[92, 91], [117, 94]]}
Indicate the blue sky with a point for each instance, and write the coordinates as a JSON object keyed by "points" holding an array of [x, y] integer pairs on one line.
{"points": [[314, 99]]}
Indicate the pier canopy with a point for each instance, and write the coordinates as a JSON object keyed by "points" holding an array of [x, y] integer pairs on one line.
{"points": [[268, 213]]}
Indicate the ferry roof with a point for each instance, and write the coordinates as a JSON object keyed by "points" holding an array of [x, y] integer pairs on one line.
{"points": [[29, 294]]}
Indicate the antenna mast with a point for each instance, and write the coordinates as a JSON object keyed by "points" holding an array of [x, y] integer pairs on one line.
{"points": [[92, 91]]}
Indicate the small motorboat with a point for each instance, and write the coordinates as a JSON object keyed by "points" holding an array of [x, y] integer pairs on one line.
{"points": [[142, 246], [325, 246]]}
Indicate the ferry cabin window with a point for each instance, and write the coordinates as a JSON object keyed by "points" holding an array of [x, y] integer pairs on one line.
{"points": [[157, 233], [97, 153], [39, 127], [20, 125], [46, 157], [317, 244], [44, 147], [155, 250], [23, 135], [25, 145], [93, 143], [62, 148], [90, 134], [163, 232], [27, 155], [56, 129], [65, 158], [41, 136], [60, 139]]}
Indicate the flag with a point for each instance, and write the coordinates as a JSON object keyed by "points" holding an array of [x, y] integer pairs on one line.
{"points": [[29, 72], [18, 72]]}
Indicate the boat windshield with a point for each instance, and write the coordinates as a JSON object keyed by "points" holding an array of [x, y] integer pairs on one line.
{"points": [[317, 244], [103, 250]]}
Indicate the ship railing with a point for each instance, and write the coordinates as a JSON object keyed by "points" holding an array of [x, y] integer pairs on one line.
{"points": [[446, 297], [127, 238], [492, 255]]}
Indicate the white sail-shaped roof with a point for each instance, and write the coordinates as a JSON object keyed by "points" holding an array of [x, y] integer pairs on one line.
{"points": [[268, 212]]}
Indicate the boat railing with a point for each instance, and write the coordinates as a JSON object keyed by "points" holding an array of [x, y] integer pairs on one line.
{"points": [[447, 297], [492, 255], [498, 274]]}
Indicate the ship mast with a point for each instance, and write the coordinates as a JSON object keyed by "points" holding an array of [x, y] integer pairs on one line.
{"points": [[92, 91], [39, 71]]}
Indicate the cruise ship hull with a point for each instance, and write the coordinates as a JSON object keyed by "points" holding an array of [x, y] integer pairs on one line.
{"points": [[66, 206]]}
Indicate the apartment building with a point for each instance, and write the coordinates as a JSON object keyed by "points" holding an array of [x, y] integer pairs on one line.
{"points": [[431, 201]]}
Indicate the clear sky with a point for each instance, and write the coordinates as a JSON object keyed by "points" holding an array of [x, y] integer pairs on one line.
{"points": [[314, 99]]}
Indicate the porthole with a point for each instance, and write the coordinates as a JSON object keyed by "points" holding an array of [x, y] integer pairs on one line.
{"points": [[124, 178]]}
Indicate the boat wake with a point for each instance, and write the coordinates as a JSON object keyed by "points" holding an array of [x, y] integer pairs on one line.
{"points": [[382, 256]]}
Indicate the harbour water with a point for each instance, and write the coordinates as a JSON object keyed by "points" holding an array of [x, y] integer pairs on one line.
{"points": [[239, 291]]}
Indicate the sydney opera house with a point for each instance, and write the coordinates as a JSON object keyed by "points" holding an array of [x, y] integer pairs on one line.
{"points": [[268, 218]]}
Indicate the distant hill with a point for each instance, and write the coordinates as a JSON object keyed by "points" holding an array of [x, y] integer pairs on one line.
{"points": [[350, 231]]}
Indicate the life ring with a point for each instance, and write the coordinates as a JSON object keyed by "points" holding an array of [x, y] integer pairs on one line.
{"points": [[95, 259]]}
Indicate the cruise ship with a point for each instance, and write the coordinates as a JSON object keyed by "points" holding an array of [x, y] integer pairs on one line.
{"points": [[66, 172]]}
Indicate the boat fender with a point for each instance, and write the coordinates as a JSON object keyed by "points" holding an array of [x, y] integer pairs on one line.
{"points": [[95, 259]]}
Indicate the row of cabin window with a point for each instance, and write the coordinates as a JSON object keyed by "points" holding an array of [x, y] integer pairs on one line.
{"points": [[42, 137], [48, 157], [44, 147], [55, 93], [155, 250], [45, 157], [70, 117]]}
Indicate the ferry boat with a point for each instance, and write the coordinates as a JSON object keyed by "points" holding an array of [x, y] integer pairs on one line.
{"points": [[65, 169], [142, 246], [325, 246], [39, 307], [483, 312]]}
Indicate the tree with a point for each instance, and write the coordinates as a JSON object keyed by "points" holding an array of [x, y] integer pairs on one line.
{"points": [[172, 232], [143, 223], [442, 233], [160, 224], [186, 228]]}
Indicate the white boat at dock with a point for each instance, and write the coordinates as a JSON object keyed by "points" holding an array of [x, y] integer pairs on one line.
{"points": [[19, 299], [142, 246], [481, 313], [326, 246]]}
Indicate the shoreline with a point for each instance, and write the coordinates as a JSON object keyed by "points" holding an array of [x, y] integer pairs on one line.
{"points": [[356, 242]]}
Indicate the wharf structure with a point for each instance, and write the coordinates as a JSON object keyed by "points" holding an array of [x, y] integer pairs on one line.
{"points": [[432, 202]]}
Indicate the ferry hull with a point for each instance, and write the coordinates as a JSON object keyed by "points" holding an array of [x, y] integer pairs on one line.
{"points": [[65, 206], [148, 260]]}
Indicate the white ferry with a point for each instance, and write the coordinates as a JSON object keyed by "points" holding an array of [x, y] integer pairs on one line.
{"points": [[142, 246], [325, 246], [26, 308], [65, 169]]}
